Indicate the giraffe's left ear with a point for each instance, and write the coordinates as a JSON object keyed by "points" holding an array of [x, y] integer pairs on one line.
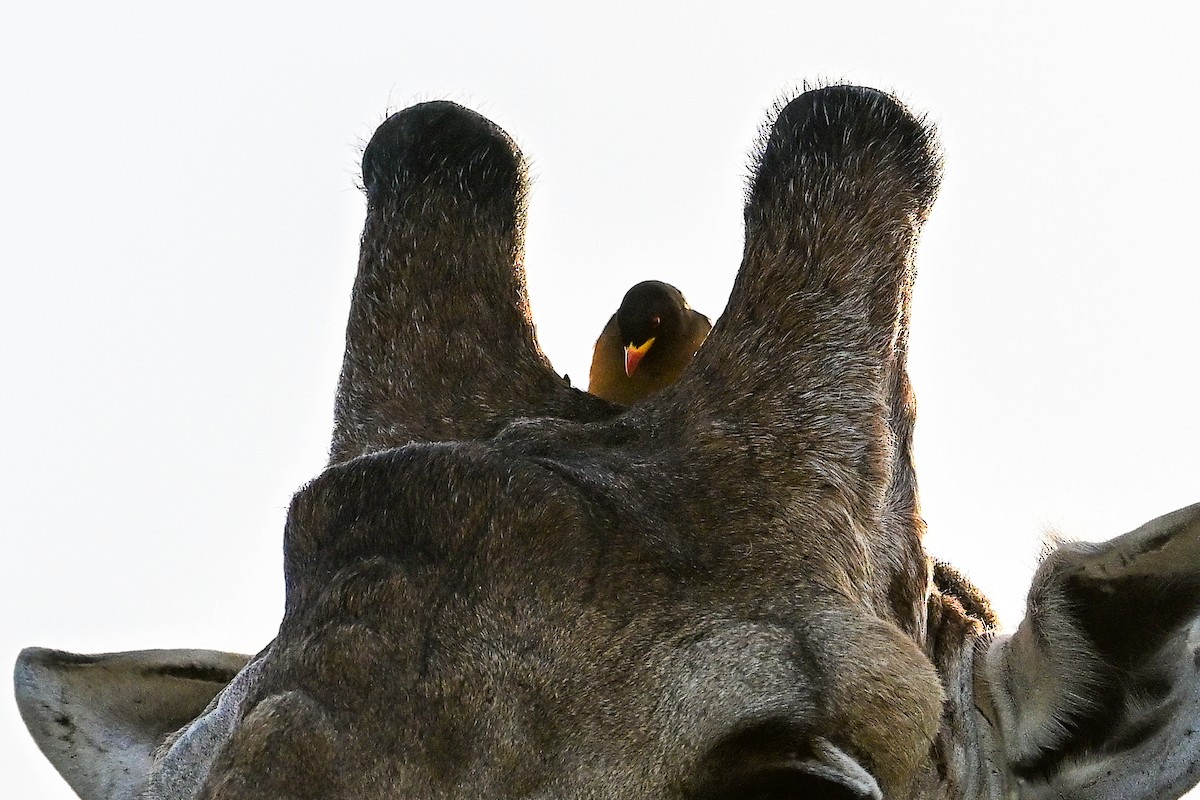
{"points": [[1097, 694], [99, 719]]}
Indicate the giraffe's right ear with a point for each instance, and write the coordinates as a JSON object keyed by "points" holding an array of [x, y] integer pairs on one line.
{"points": [[1097, 694], [99, 719]]}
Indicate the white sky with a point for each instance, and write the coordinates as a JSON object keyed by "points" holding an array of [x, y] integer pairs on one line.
{"points": [[179, 225]]}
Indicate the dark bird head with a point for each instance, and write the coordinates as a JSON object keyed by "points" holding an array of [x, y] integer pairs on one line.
{"points": [[652, 311]]}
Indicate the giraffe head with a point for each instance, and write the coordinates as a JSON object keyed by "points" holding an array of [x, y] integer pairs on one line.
{"points": [[504, 587]]}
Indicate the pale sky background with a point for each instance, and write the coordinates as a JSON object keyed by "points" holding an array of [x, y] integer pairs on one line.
{"points": [[178, 235]]}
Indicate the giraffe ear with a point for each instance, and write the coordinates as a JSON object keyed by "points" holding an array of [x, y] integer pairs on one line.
{"points": [[99, 719], [1097, 694]]}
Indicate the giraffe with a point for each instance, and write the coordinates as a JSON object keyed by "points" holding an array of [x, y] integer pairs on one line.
{"points": [[502, 586]]}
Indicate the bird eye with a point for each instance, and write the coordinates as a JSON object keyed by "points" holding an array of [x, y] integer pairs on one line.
{"points": [[655, 321]]}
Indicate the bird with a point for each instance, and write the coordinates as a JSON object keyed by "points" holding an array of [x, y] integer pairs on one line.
{"points": [[646, 344]]}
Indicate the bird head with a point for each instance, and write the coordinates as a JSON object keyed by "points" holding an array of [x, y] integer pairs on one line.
{"points": [[652, 311]]}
